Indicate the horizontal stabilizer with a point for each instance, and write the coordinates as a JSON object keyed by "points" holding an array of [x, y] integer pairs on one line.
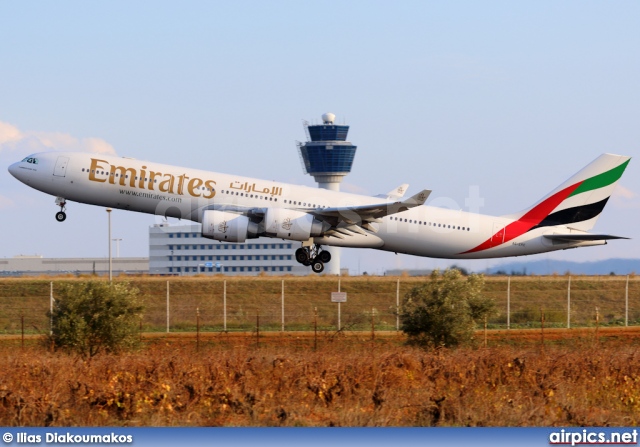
{"points": [[582, 237]]}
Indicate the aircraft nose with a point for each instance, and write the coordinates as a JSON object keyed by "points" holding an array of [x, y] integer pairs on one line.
{"points": [[18, 173], [13, 170]]}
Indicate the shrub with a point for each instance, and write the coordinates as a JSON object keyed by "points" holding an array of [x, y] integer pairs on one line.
{"points": [[445, 310], [94, 316]]}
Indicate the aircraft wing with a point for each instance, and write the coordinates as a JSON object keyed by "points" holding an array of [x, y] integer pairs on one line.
{"points": [[369, 213], [581, 237], [343, 219]]}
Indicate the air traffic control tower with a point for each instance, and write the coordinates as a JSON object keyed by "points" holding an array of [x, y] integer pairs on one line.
{"points": [[328, 157]]}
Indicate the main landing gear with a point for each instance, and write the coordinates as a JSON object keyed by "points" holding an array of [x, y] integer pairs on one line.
{"points": [[61, 215], [314, 256]]}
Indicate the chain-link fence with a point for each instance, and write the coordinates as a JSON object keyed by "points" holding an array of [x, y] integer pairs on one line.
{"points": [[300, 304]]}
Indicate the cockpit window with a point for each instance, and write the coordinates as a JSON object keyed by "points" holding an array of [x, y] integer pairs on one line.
{"points": [[31, 160]]}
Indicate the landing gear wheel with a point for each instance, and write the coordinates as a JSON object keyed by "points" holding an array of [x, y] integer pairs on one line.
{"points": [[324, 256], [317, 266], [60, 215], [302, 256]]}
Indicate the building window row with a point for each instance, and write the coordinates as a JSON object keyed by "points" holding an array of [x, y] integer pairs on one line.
{"points": [[228, 269], [231, 247], [232, 258]]}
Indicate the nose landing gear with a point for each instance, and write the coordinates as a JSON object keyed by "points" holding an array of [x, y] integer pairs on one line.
{"points": [[61, 215], [314, 256]]}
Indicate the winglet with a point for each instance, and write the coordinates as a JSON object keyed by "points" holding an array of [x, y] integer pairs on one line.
{"points": [[415, 200], [418, 199]]}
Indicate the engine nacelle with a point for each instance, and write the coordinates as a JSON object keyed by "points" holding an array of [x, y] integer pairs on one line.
{"points": [[292, 225], [228, 227]]}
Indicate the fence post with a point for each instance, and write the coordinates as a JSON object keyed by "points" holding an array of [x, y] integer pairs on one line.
{"points": [[339, 325], [485, 331], [258, 329], [197, 328], [509, 302], [373, 327], [542, 325], [168, 313], [51, 308], [315, 328], [597, 321], [398, 306], [626, 303], [569, 304]]}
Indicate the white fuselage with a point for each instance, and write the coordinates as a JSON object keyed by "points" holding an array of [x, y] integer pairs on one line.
{"points": [[166, 190]]}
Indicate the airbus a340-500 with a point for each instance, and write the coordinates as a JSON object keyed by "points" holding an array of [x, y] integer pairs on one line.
{"points": [[234, 209]]}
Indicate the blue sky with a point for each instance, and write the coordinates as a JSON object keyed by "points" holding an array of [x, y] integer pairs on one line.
{"points": [[511, 98]]}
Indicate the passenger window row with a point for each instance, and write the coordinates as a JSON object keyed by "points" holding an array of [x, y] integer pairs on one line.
{"points": [[431, 224]]}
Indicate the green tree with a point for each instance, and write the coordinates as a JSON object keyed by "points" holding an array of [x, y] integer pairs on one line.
{"points": [[445, 310], [94, 316]]}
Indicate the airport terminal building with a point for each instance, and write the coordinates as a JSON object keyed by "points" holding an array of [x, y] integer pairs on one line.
{"points": [[176, 250], [181, 250], [31, 265]]}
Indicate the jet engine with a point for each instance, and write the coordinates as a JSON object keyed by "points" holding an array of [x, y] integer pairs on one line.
{"points": [[292, 225], [228, 227]]}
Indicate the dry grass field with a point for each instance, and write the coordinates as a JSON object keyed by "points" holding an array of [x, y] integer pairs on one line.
{"points": [[346, 381], [526, 377]]}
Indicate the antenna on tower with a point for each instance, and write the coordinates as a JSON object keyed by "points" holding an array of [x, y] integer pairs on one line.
{"points": [[305, 124]]}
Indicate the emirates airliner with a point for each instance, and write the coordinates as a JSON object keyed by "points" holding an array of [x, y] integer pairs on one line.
{"points": [[233, 208]]}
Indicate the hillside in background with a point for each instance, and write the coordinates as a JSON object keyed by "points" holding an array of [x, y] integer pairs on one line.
{"points": [[618, 266]]}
